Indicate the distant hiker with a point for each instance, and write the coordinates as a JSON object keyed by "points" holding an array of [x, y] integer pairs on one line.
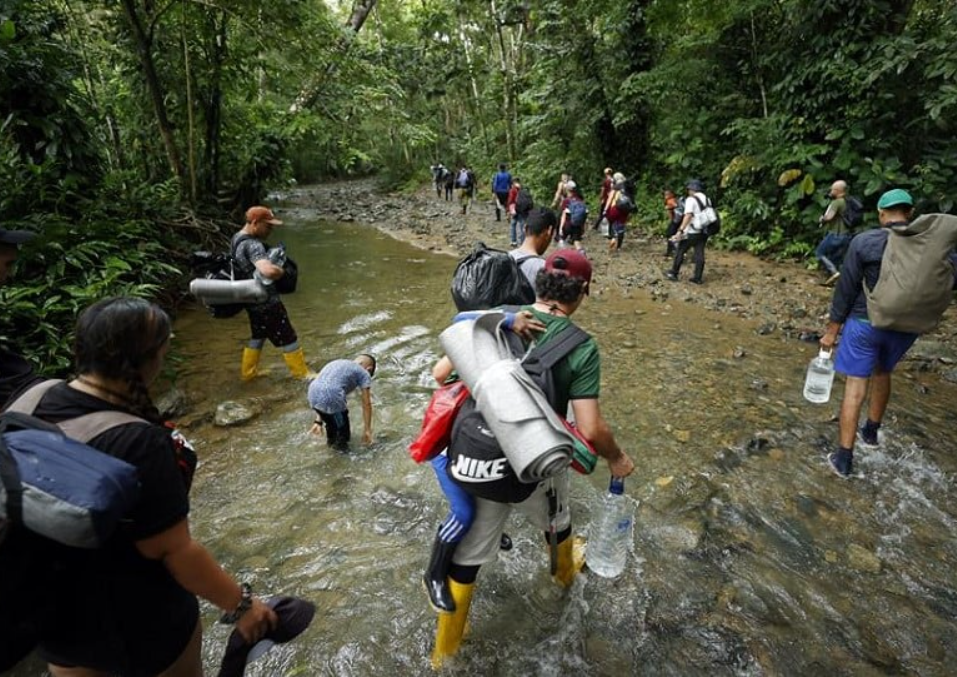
{"points": [[868, 354], [561, 288], [448, 183], [438, 178], [465, 185], [674, 220], [574, 215], [830, 251], [501, 183], [267, 320], [15, 371], [691, 233], [130, 607], [561, 190], [618, 208], [539, 230], [607, 183], [328, 396], [523, 205]]}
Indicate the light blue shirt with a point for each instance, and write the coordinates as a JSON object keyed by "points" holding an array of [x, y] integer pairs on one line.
{"points": [[328, 391]]}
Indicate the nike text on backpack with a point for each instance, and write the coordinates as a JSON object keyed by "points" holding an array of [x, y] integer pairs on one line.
{"points": [[853, 215], [916, 283], [577, 213], [476, 460], [489, 278], [706, 219]]}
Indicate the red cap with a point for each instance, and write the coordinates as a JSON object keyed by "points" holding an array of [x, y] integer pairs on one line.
{"points": [[569, 262], [259, 214]]}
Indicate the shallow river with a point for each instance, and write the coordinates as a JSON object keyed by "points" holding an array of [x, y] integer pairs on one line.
{"points": [[750, 557]]}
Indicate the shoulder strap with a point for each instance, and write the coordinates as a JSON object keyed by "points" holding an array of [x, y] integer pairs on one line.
{"points": [[698, 200], [82, 428], [238, 241], [558, 348], [522, 259]]}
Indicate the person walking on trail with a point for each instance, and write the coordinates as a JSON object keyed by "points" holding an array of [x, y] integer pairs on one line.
{"points": [[269, 319], [561, 190], [465, 185], [830, 251], [328, 396], [523, 205], [539, 230], [130, 607], [674, 220], [448, 183], [618, 208], [607, 184], [691, 233], [501, 183], [15, 371], [866, 355], [561, 288], [574, 215], [439, 172]]}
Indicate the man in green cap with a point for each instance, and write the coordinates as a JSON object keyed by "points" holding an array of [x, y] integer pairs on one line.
{"points": [[866, 354]]}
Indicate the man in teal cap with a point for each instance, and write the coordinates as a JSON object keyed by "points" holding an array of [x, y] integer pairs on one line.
{"points": [[866, 354]]}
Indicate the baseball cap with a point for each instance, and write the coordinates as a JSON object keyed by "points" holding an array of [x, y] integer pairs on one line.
{"points": [[895, 197], [294, 614], [570, 262], [260, 213], [695, 185], [16, 236]]}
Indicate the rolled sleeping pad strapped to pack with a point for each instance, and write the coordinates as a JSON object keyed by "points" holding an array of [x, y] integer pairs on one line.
{"points": [[221, 292], [532, 436]]}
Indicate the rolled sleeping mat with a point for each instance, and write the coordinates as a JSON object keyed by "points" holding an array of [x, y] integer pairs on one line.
{"points": [[221, 292], [529, 431], [532, 436]]}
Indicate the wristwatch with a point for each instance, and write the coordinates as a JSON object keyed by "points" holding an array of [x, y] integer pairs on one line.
{"points": [[245, 602]]}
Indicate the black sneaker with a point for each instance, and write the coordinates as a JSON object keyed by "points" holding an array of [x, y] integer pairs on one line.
{"points": [[841, 462], [868, 438], [671, 276], [695, 280]]}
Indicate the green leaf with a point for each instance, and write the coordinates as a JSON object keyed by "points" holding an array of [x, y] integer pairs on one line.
{"points": [[8, 30]]}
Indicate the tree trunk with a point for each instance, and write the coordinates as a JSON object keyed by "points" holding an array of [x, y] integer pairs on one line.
{"points": [[191, 122], [507, 93], [143, 48], [214, 101]]}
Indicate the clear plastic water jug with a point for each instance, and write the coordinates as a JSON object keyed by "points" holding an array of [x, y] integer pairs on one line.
{"points": [[611, 536], [820, 378]]}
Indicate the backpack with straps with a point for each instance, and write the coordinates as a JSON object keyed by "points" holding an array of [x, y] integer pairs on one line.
{"points": [[707, 220], [853, 215], [577, 213], [916, 282], [476, 461], [523, 202]]}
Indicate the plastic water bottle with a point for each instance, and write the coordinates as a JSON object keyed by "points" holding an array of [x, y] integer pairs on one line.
{"points": [[820, 378], [277, 257], [611, 539]]}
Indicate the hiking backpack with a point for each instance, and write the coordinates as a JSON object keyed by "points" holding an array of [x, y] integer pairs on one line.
{"points": [[464, 179], [489, 278], [577, 213], [853, 215], [477, 463], [916, 282], [625, 204], [524, 203], [708, 220]]}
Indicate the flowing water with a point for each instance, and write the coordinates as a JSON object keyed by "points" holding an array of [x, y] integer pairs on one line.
{"points": [[750, 557]]}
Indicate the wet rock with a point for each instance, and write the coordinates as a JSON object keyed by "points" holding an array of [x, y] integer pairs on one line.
{"points": [[758, 445], [230, 413], [172, 404], [950, 375], [746, 290], [862, 559], [738, 352], [759, 384], [776, 454], [765, 329], [922, 389], [807, 506], [809, 336]]}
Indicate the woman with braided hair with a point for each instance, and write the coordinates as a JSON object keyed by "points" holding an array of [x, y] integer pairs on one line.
{"points": [[130, 607]]}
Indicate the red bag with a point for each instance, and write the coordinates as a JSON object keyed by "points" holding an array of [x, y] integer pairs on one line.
{"points": [[584, 456], [437, 422]]}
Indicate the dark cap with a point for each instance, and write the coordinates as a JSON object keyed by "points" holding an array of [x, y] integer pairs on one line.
{"points": [[570, 262], [16, 236], [259, 214], [294, 614], [695, 185]]}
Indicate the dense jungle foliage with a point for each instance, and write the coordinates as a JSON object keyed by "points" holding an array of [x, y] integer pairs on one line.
{"points": [[134, 131]]}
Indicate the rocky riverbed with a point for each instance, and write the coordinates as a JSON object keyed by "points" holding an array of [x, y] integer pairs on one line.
{"points": [[783, 297]]}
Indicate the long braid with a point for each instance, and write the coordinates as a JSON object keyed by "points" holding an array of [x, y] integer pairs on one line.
{"points": [[140, 399]]}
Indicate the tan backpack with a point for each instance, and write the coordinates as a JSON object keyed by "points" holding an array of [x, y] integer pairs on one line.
{"points": [[916, 283]]}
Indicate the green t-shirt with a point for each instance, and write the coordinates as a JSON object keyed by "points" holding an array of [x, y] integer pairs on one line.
{"points": [[578, 376], [836, 211]]}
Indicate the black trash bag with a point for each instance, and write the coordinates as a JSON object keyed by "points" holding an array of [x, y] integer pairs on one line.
{"points": [[489, 278]]}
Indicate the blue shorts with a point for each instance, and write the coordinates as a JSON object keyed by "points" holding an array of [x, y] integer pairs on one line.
{"points": [[863, 348]]}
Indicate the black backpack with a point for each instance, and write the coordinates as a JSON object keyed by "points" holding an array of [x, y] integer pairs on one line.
{"points": [[489, 278], [476, 461], [524, 203], [853, 215]]}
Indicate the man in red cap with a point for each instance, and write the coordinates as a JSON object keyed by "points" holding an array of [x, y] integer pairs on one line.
{"points": [[267, 320], [560, 288]]}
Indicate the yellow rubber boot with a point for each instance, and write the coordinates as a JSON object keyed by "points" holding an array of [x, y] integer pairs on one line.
{"points": [[250, 365], [451, 628], [296, 362], [571, 559]]}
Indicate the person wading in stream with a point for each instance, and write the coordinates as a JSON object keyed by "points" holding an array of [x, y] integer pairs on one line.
{"points": [[328, 394], [267, 320], [561, 288]]}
